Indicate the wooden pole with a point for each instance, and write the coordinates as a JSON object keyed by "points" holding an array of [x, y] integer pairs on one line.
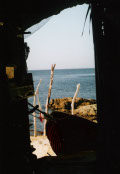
{"points": [[73, 100], [40, 108], [50, 87], [34, 103], [49, 94]]}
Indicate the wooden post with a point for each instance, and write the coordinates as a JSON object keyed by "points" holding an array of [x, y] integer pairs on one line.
{"points": [[34, 103], [73, 100], [40, 108], [50, 87], [49, 94]]}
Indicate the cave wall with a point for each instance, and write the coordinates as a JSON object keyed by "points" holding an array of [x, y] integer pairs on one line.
{"points": [[106, 27]]}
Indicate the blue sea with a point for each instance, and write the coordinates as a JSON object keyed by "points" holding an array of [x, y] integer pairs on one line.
{"points": [[64, 85]]}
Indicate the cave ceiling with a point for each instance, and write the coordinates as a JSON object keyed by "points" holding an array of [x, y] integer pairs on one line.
{"points": [[26, 13]]}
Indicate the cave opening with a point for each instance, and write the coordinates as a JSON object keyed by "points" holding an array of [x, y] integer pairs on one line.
{"points": [[61, 40]]}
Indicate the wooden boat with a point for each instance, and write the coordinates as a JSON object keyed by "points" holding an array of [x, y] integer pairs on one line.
{"points": [[71, 134]]}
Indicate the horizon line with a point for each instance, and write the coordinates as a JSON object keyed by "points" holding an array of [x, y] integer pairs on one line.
{"points": [[59, 69]]}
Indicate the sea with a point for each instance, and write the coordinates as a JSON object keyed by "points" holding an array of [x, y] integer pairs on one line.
{"points": [[64, 85]]}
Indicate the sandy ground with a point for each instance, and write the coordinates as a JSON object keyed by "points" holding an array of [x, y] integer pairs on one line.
{"points": [[42, 146]]}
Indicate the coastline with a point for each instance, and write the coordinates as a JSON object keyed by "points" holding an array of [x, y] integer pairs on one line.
{"points": [[85, 108]]}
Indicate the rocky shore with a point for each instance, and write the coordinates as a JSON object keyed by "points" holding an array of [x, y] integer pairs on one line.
{"points": [[86, 108]]}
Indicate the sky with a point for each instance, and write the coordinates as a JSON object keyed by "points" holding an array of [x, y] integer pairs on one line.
{"points": [[60, 42]]}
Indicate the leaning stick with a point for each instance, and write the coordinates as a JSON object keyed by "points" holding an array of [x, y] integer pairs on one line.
{"points": [[40, 108], [49, 93], [73, 100], [50, 87], [34, 103]]}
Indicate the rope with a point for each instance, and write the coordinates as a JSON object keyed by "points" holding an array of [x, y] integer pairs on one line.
{"points": [[47, 116]]}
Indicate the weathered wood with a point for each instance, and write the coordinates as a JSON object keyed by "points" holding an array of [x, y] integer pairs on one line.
{"points": [[38, 99], [40, 108], [49, 94], [34, 103], [73, 100], [50, 87]]}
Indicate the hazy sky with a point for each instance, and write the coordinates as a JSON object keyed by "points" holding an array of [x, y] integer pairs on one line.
{"points": [[60, 42]]}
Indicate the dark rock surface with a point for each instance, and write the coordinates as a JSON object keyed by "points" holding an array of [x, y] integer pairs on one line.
{"points": [[86, 108]]}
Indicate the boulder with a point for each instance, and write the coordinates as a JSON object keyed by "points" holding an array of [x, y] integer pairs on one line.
{"points": [[86, 108]]}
